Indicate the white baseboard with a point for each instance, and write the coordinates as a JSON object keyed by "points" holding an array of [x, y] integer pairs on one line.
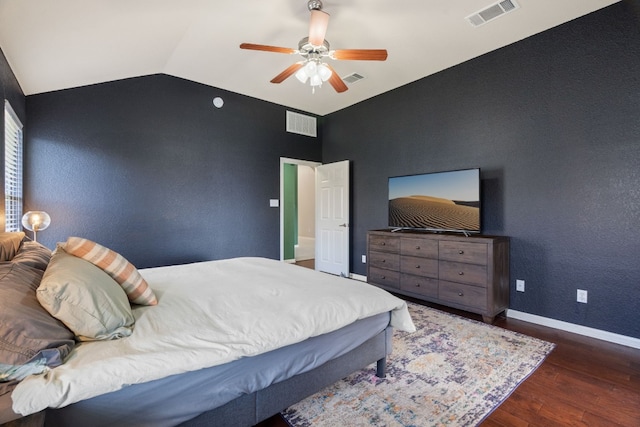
{"points": [[576, 329], [559, 324]]}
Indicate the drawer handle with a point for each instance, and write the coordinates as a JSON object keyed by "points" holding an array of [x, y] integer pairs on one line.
{"points": [[461, 273], [460, 294], [460, 251], [383, 277], [382, 244], [417, 266], [417, 248], [417, 285], [384, 260]]}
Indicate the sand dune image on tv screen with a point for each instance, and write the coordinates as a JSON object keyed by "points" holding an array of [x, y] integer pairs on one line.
{"points": [[434, 213]]}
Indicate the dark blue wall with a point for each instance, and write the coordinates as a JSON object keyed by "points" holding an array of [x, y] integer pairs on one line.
{"points": [[11, 91], [148, 167], [553, 121]]}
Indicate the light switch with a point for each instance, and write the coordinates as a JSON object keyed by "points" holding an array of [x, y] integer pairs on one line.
{"points": [[274, 203]]}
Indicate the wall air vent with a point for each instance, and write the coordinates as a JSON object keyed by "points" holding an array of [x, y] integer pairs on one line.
{"points": [[301, 124], [352, 78], [492, 12]]}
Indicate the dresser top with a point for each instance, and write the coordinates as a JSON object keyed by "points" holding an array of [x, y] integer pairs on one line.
{"points": [[439, 235]]}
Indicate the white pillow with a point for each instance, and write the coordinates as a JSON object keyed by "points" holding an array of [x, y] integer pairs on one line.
{"points": [[83, 297]]}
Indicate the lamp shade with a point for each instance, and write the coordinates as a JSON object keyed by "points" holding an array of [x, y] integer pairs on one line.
{"points": [[36, 220], [302, 76], [324, 72]]}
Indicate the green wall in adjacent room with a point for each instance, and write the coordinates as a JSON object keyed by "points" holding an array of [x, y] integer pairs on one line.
{"points": [[290, 210]]}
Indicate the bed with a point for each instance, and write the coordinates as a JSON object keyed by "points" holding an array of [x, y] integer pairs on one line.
{"points": [[227, 342]]}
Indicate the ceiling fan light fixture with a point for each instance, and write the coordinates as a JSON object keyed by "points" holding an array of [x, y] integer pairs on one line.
{"points": [[315, 72], [315, 80], [302, 76], [324, 72], [311, 68]]}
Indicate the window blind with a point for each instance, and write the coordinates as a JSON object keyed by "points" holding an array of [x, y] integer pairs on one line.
{"points": [[12, 169]]}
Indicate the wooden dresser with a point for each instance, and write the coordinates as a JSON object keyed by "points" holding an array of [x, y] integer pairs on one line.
{"points": [[468, 273]]}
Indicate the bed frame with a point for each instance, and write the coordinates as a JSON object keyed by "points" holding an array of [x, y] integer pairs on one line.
{"points": [[250, 409]]}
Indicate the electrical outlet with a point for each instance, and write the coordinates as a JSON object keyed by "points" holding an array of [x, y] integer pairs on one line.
{"points": [[364, 259], [582, 296], [520, 285]]}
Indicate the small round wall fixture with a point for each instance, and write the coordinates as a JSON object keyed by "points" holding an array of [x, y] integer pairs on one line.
{"points": [[218, 102]]}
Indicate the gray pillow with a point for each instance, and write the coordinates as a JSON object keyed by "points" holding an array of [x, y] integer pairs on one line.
{"points": [[27, 331], [85, 298], [33, 254], [9, 244]]}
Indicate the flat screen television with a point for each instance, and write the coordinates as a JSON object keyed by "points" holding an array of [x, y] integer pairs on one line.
{"points": [[439, 201]]}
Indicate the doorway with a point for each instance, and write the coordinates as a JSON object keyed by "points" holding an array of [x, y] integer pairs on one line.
{"points": [[297, 210], [329, 215]]}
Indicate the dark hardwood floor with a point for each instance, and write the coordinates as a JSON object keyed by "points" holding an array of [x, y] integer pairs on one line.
{"points": [[309, 263], [583, 382]]}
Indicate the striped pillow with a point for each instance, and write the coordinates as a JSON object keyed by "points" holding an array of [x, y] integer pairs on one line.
{"points": [[116, 266]]}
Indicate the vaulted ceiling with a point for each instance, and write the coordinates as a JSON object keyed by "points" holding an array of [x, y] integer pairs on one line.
{"points": [[53, 45]]}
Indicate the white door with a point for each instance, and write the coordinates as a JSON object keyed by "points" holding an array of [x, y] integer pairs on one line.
{"points": [[332, 218]]}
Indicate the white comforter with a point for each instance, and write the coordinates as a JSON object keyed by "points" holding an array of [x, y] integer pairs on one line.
{"points": [[208, 314]]}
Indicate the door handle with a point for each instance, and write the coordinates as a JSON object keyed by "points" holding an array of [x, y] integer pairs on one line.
{"points": [[343, 225]]}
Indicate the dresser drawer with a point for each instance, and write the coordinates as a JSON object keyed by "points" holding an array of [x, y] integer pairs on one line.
{"points": [[419, 247], [467, 295], [463, 273], [470, 252], [384, 243], [419, 285], [419, 266], [384, 260], [380, 276]]}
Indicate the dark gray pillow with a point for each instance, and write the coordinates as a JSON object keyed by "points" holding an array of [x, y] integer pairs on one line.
{"points": [[9, 244], [27, 330], [33, 254]]}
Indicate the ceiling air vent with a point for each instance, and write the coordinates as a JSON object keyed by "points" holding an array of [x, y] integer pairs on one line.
{"points": [[301, 124], [492, 12], [352, 78]]}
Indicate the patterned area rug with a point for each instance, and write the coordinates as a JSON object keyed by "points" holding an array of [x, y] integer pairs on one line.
{"points": [[451, 371]]}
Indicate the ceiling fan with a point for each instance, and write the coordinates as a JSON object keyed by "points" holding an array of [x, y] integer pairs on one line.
{"points": [[313, 50]]}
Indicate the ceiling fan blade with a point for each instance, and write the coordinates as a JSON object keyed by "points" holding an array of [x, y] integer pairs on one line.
{"points": [[318, 27], [336, 81], [287, 73], [266, 48], [360, 54]]}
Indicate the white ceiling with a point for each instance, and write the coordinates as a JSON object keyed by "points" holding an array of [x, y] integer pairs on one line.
{"points": [[52, 45]]}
